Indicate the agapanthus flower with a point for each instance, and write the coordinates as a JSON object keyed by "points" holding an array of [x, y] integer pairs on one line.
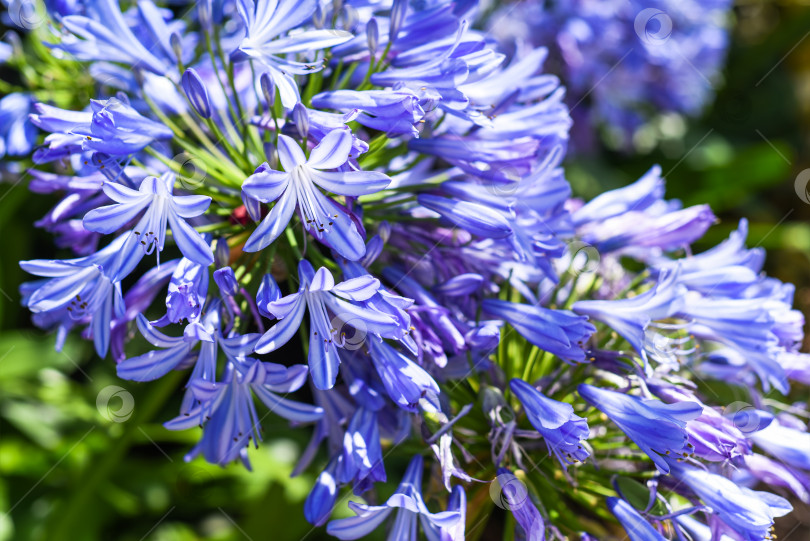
{"points": [[555, 421], [321, 216], [446, 288], [228, 414], [408, 504], [154, 196], [625, 63], [657, 428], [743, 511], [323, 297]]}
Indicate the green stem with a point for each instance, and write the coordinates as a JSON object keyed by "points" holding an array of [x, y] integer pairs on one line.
{"points": [[98, 470]]}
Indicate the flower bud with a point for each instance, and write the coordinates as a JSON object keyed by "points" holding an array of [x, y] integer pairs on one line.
{"points": [[373, 35], [177, 46], [398, 11], [268, 88], [226, 281], [196, 92], [301, 119], [222, 253]]}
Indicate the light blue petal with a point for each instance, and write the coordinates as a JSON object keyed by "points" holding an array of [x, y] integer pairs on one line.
{"points": [[289, 153], [333, 150], [280, 333], [274, 224], [190, 206], [190, 242], [350, 182]]}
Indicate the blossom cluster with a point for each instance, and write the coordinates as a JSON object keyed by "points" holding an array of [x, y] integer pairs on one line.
{"points": [[625, 63], [353, 216]]}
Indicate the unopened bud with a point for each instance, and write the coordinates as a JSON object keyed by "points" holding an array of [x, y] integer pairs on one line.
{"points": [[373, 35], [268, 88], [398, 11], [301, 119], [196, 92]]}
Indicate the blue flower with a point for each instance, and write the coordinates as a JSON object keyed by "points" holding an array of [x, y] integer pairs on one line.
{"points": [[637, 528], [154, 196], [266, 39], [17, 134], [188, 289], [560, 332], [83, 290], [106, 35], [177, 351], [321, 499], [394, 112], [630, 317], [111, 126], [659, 429], [319, 292], [409, 505], [555, 421], [228, 411], [515, 497], [785, 443], [405, 381], [748, 513], [477, 219], [362, 462], [295, 186]]}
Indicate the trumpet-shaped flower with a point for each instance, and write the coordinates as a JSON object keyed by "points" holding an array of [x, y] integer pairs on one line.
{"points": [[155, 196], [319, 292], [295, 186], [409, 505], [656, 427]]}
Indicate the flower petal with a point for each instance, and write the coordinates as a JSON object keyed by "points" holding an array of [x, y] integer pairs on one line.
{"points": [[280, 333], [265, 184], [275, 222], [190, 242], [350, 182], [289, 153], [333, 150]]}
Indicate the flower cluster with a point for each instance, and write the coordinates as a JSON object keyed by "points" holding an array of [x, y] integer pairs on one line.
{"points": [[625, 63], [355, 214]]}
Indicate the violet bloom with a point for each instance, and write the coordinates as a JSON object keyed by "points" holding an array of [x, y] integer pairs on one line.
{"points": [[319, 292], [155, 196], [112, 127], [229, 413], [748, 513], [17, 134], [630, 317], [362, 454], [174, 352], [515, 497], [295, 186], [560, 332], [405, 381], [409, 505], [562, 430], [83, 290], [785, 443], [188, 289], [266, 39], [637, 528], [658, 428]]}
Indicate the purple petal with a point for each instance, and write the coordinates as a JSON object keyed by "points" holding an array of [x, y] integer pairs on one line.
{"points": [[289, 153], [273, 225], [190, 242], [350, 182], [333, 150]]}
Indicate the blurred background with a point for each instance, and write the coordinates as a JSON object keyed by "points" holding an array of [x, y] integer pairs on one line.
{"points": [[84, 456]]}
